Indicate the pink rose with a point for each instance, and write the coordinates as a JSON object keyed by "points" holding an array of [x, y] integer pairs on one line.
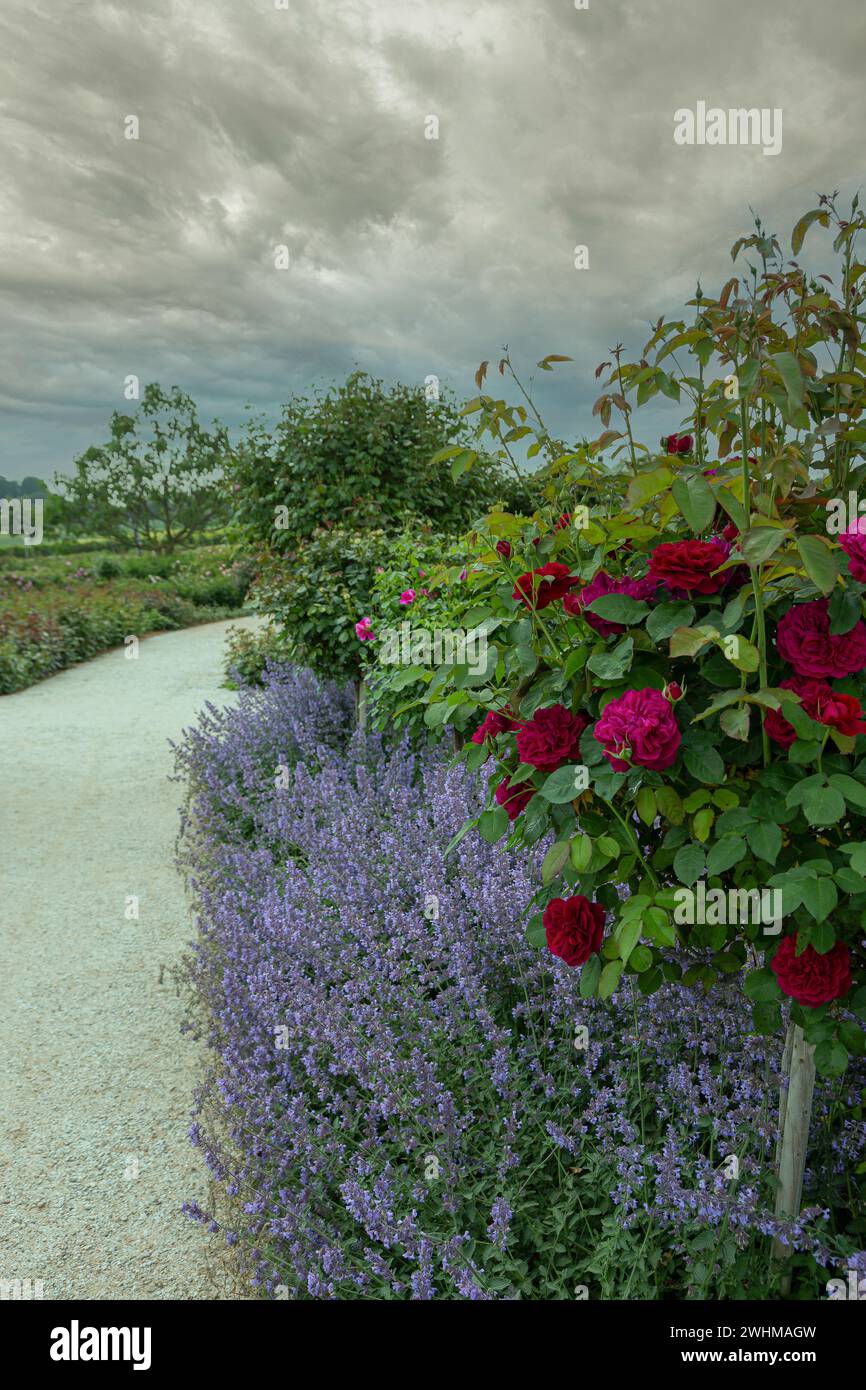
{"points": [[600, 585], [641, 727], [853, 542], [407, 597], [804, 640], [364, 630]]}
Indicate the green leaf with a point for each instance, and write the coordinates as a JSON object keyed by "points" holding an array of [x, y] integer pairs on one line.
{"points": [[565, 783], [619, 608], [696, 500], [819, 562], [627, 936], [705, 765], [849, 881], [646, 805], [688, 641], [761, 986], [666, 617], [554, 861], [589, 977], [725, 853], [844, 611], [735, 723], [645, 486], [819, 896], [535, 933], [831, 1058], [641, 959], [610, 666], [823, 805], [493, 824], [759, 543], [766, 1018], [792, 376], [610, 978], [853, 791], [689, 864], [802, 227], [581, 853], [765, 841], [670, 805]]}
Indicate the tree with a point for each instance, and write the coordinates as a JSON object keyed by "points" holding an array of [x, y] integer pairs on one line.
{"points": [[359, 456], [158, 480]]}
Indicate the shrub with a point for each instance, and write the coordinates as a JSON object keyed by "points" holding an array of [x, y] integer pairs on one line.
{"points": [[358, 458], [317, 593], [52, 616], [402, 1102], [679, 659]]}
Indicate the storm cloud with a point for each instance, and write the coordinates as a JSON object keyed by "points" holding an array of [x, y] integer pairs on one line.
{"points": [[307, 127]]}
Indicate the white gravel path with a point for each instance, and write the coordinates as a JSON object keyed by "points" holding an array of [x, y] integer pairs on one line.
{"points": [[95, 1077]]}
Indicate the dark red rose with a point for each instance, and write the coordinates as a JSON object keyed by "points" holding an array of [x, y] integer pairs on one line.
{"points": [[494, 723], [515, 799], [687, 566], [820, 702], [673, 692], [678, 443], [804, 640], [550, 738], [730, 532], [639, 728], [809, 978], [538, 588], [599, 585], [504, 548], [574, 928], [563, 521]]}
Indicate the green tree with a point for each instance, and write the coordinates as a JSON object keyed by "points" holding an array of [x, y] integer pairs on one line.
{"points": [[158, 480], [359, 456]]}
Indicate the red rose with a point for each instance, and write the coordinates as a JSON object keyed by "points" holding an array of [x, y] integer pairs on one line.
{"points": [[820, 702], [494, 723], [574, 928], [687, 566], [515, 799], [550, 738], [730, 532], [563, 521], [810, 978], [804, 640], [600, 585], [504, 548], [640, 725], [673, 692], [678, 443], [538, 588]]}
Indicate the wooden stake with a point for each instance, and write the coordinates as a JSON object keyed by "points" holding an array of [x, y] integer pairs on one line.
{"points": [[795, 1113]]}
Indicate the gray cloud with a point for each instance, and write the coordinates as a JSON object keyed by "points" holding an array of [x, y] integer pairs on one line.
{"points": [[305, 127]]}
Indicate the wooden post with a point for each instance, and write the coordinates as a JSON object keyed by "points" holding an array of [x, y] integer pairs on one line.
{"points": [[361, 704], [795, 1113]]}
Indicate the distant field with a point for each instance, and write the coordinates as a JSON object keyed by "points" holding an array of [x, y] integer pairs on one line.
{"points": [[58, 609]]}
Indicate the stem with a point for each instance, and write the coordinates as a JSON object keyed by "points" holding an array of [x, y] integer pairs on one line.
{"points": [[795, 1108], [755, 570]]}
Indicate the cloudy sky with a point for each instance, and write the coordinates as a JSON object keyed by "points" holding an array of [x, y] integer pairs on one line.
{"points": [[306, 126]]}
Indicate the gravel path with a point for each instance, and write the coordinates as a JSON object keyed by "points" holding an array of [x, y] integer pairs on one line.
{"points": [[95, 1076]]}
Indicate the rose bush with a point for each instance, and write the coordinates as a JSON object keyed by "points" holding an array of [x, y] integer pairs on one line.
{"points": [[700, 618]]}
